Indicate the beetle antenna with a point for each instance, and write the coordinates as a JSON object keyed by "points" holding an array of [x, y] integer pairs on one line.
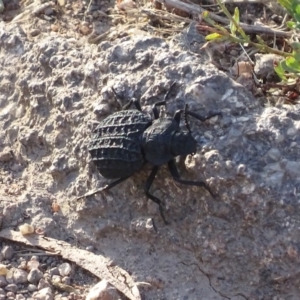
{"points": [[186, 118]]}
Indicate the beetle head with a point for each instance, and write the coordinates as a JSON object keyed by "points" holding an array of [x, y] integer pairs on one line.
{"points": [[183, 143]]}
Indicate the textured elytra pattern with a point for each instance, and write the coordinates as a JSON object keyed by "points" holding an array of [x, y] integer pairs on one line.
{"points": [[115, 146]]}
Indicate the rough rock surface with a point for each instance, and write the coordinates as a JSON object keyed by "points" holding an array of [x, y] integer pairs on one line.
{"points": [[242, 245]]}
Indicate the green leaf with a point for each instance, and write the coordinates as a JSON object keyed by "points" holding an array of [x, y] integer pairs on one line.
{"points": [[260, 40], [291, 24], [287, 4], [295, 46], [296, 55], [293, 64], [205, 14], [280, 72], [236, 18], [213, 36]]}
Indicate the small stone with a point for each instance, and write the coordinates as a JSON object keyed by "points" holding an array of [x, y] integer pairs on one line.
{"points": [[43, 294], [3, 281], [2, 292], [32, 264], [61, 2], [22, 265], [48, 11], [43, 284], [5, 155], [11, 287], [26, 229], [7, 252], [34, 258], [20, 276], [54, 27], [293, 168], [10, 295], [3, 269], [53, 271], [2, 297], [64, 269], [56, 278], [101, 109], [102, 290], [34, 32], [264, 64], [20, 297], [31, 287], [84, 29], [34, 276]]}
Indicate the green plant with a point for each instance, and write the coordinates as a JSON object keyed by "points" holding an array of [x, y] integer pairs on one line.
{"points": [[289, 67], [293, 8]]}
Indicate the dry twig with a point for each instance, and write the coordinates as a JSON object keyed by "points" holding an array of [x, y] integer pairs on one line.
{"points": [[250, 29], [96, 264]]}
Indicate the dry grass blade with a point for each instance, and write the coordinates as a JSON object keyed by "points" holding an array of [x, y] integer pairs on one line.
{"points": [[251, 29]]}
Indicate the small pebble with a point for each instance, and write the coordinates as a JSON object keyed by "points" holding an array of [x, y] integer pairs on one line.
{"points": [[31, 287], [20, 276], [43, 284], [61, 2], [103, 290], [26, 229], [84, 29], [34, 276], [2, 297], [20, 297], [5, 156], [10, 295], [48, 11], [32, 264], [22, 265], [3, 281], [56, 278], [7, 252], [2, 291], [53, 271], [34, 258], [3, 269], [54, 27], [101, 109], [64, 269], [43, 294], [11, 287], [34, 32]]}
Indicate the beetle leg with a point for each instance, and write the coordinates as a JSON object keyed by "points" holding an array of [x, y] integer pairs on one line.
{"points": [[127, 106], [153, 198], [106, 187], [209, 116], [178, 113], [154, 108], [175, 174], [136, 104]]}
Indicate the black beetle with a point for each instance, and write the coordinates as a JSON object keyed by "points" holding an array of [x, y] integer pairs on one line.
{"points": [[124, 141]]}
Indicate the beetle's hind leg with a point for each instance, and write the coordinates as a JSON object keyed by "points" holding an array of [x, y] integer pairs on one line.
{"points": [[106, 187], [153, 198], [175, 174]]}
